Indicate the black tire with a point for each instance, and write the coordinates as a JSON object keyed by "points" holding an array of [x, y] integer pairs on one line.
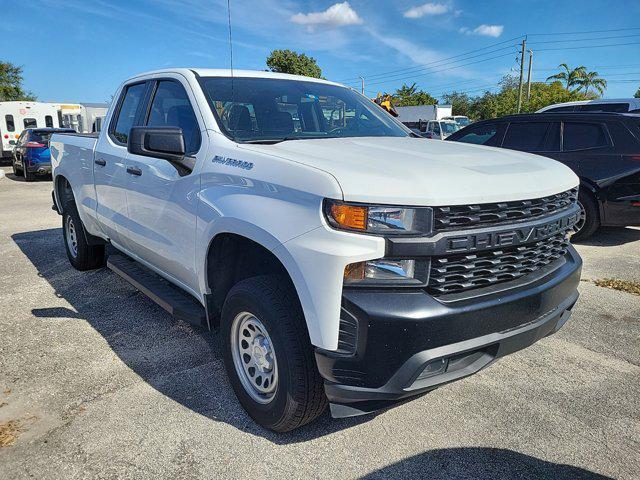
{"points": [[28, 176], [83, 256], [16, 171], [299, 395], [591, 220]]}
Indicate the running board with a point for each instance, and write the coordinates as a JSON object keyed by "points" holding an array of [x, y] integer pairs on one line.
{"points": [[178, 303]]}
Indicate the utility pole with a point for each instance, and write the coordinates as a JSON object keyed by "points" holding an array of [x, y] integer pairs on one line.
{"points": [[529, 76], [524, 45], [362, 80]]}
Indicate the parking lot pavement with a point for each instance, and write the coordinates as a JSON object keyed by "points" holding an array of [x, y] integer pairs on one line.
{"points": [[96, 381]]}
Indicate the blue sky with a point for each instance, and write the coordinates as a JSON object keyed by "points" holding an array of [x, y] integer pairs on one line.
{"points": [[80, 50]]}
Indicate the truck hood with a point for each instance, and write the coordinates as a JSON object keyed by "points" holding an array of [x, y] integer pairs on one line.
{"points": [[412, 171]]}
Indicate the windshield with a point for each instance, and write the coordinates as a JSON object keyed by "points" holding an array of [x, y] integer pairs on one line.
{"points": [[449, 127], [462, 121], [263, 109]]}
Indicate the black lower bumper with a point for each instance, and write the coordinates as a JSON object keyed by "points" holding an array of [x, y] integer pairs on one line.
{"points": [[40, 168], [408, 342]]}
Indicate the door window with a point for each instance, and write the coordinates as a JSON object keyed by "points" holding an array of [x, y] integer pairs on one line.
{"points": [[480, 134], [527, 137], [48, 121], [127, 113], [30, 123], [11, 127], [581, 136], [171, 108]]}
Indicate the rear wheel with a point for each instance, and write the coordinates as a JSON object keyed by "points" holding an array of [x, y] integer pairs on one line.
{"points": [[268, 356], [28, 176], [81, 255], [589, 220]]}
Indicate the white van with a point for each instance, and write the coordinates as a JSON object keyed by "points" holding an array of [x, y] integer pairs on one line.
{"points": [[16, 116]]}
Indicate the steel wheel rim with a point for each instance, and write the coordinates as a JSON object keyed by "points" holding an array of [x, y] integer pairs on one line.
{"points": [[254, 357], [71, 236], [582, 218]]}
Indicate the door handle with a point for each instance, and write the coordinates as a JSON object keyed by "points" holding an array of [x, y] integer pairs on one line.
{"points": [[100, 161], [134, 171]]}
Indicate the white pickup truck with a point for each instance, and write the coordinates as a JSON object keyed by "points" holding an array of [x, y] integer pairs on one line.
{"points": [[345, 260]]}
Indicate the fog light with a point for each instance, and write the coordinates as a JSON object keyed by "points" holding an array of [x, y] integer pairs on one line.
{"points": [[435, 367]]}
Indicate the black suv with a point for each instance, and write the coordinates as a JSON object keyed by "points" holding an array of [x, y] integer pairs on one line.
{"points": [[603, 149]]}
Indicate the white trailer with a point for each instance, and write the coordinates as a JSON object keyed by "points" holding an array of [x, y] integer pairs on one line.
{"points": [[423, 113], [82, 117], [17, 116]]}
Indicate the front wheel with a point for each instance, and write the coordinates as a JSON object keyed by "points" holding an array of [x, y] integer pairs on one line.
{"points": [[81, 255], [589, 220], [268, 356], [16, 170], [28, 176]]}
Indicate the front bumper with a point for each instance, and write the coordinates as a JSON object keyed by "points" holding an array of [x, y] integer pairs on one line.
{"points": [[399, 333]]}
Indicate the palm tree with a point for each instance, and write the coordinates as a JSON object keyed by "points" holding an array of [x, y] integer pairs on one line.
{"points": [[592, 79], [570, 76]]}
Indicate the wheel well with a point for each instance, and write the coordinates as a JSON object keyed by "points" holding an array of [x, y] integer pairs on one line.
{"points": [[64, 193], [230, 259]]}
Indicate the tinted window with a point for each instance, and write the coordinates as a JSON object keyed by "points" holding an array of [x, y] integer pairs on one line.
{"points": [[30, 123], [604, 107], [568, 108], [11, 127], [528, 137], [553, 138], [171, 108], [127, 113], [258, 109], [479, 134], [578, 136], [48, 121]]}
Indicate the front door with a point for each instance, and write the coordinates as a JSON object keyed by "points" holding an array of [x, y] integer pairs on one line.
{"points": [[162, 197], [109, 163]]}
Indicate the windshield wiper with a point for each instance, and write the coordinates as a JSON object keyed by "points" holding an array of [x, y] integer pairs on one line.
{"points": [[272, 141]]}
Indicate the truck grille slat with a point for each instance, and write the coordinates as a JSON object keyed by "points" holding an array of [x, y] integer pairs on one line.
{"points": [[469, 216], [459, 273]]}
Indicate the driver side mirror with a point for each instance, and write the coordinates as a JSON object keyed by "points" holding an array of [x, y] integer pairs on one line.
{"points": [[161, 142]]}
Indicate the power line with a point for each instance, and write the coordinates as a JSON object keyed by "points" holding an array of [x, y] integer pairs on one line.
{"points": [[585, 39], [437, 61], [585, 32], [587, 46]]}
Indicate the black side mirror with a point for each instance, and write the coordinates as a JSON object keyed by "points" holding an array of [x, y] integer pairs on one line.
{"points": [[159, 142]]}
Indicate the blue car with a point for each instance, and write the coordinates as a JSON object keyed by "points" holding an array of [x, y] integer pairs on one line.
{"points": [[31, 155]]}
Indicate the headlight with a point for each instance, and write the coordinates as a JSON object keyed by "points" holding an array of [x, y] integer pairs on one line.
{"points": [[387, 271], [378, 219]]}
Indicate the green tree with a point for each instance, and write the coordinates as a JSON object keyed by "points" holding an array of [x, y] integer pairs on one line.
{"points": [[570, 76], [592, 80], [288, 61], [11, 84], [460, 102], [407, 96], [637, 94]]}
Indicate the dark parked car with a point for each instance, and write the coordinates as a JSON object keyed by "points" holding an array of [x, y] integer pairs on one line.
{"points": [[603, 149], [31, 155]]}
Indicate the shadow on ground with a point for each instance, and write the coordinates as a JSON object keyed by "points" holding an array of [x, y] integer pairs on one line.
{"points": [[20, 178], [612, 237], [180, 361], [480, 463]]}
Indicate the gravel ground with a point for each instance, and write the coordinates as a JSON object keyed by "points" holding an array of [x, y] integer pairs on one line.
{"points": [[96, 381]]}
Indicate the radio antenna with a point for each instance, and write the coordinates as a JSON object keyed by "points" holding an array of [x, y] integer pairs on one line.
{"points": [[230, 42]]}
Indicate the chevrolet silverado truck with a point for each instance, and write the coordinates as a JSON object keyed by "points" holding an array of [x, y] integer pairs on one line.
{"points": [[344, 260]]}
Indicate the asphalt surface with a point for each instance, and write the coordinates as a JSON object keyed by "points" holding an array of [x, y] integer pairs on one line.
{"points": [[99, 382]]}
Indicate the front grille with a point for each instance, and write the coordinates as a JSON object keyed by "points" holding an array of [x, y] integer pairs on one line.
{"points": [[459, 273], [486, 214]]}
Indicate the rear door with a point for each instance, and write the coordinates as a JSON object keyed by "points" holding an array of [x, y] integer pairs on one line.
{"points": [[162, 198], [109, 168]]}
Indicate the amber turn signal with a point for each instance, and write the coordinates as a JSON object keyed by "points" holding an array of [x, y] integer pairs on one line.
{"points": [[354, 271], [349, 216]]}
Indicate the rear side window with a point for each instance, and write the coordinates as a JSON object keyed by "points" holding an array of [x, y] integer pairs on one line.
{"points": [[568, 108], [11, 127], [171, 108], [581, 136], [528, 137], [479, 134], [30, 123], [127, 113], [48, 121], [605, 107]]}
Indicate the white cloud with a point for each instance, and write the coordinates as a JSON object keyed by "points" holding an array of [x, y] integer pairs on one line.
{"points": [[484, 30], [337, 15], [426, 9]]}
